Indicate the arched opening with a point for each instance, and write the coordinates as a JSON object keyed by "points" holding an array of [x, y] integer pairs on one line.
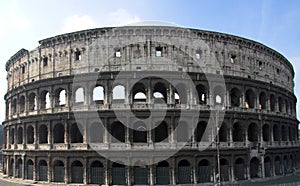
{"points": [[202, 94], [161, 132], [43, 134], [285, 164], [45, 100], [266, 133], [139, 133], [160, 93], [262, 100], [203, 171], [183, 132], [58, 133], [97, 173], [77, 172], [287, 107], [291, 134], [272, 102], [14, 106], [96, 133], [118, 173], [118, 94], [223, 133], [239, 169], [60, 97], [79, 95], [29, 170], [20, 135], [200, 131], [162, 173], [278, 166], [11, 167], [184, 172], [118, 132], [250, 99], [235, 97], [253, 132], [267, 163], [98, 94], [276, 133], [237, 133], [140, 174], [224, 168], [58, 171], [76, 136], [219, 95], [43, 170], [12, 136], [30, 135], [22, 104], [280, 104], [283, 133], [32, 102], [139, 93], [19, 168], [254, 168], [181, 91]]}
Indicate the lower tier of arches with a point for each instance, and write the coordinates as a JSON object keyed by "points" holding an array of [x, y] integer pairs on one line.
{"points": [[183, 168]]}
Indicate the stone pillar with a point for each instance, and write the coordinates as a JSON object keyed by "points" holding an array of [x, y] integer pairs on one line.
{"points": [[49, 169], [151, 174], [128, 174], [106, 172], [85, 170], [67, 176], [35, 169], [173, 172], [105, 125], [23, 166], [262, 167]]}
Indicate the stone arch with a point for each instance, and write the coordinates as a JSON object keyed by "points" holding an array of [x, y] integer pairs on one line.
{"points": [[96, 132], [160, 93], [235, 97], [139, 133], [276, 133], [58, 133], [224, 168], [204, 171], [12, 135], [163, 173], [79, 95], [181, 91], [140, 174], [254, 168], [285, 164], [32, 101], [253, 132], [199, 132], [267, 165], [43, 170], [20, 135], [262, 101], [97, 173], [11, 167], [139, 93], [277, 166], [239, 169], [29, 170], [76, 172], [118, 173], [182, 132], [284, 135], [272, 102], [14, 106], [58, 171], [117, 132], [75, 133], [266, 132], [45, 101], [223, 133], [19, 168], [184, 172], [60, 97], [30, 135], [98, 94], [280, 104], [237, 133], [250, 99], [287, 107], [43, 134], [22, 104], [118, 93], [219, 95], [161, 132], [202, 94]]}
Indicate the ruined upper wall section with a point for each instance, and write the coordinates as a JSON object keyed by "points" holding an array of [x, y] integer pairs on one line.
{"points": [[149, 48]]}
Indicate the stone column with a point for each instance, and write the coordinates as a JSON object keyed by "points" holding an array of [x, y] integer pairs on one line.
{"points": [[23, 166], [35, 169], [49, 169], [85, 170], [262, 167], [67, 176], [151, 174], [173, 172]]}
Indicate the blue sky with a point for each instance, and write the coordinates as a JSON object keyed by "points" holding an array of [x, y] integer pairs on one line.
{"points": [[274, 23]]}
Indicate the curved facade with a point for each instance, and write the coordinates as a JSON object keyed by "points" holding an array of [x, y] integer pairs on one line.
{"points": [[258, 135]]}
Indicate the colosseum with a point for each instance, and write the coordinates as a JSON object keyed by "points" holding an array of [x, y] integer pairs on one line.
{"points": [[80, 109]]}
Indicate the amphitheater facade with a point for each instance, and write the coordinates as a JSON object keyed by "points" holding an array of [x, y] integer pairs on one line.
{"points": [[52, 133]]}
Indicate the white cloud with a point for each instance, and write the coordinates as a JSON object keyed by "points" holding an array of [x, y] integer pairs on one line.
{"points": [[116, 18], [76, 22], [13, 23]]}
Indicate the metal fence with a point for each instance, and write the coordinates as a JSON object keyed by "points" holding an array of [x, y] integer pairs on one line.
{"points": [[59, 174], [43, 171], [118, 176], [162, 175], [140, 176], [204, 173], [77, 174], [184, 174], [30, 172], [97, 175]]}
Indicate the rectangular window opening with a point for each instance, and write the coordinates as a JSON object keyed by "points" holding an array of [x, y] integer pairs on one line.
{"points": [[118, 54], [158, 52], [23, 69], [45, 61], [233, 59], [78, 56]]}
